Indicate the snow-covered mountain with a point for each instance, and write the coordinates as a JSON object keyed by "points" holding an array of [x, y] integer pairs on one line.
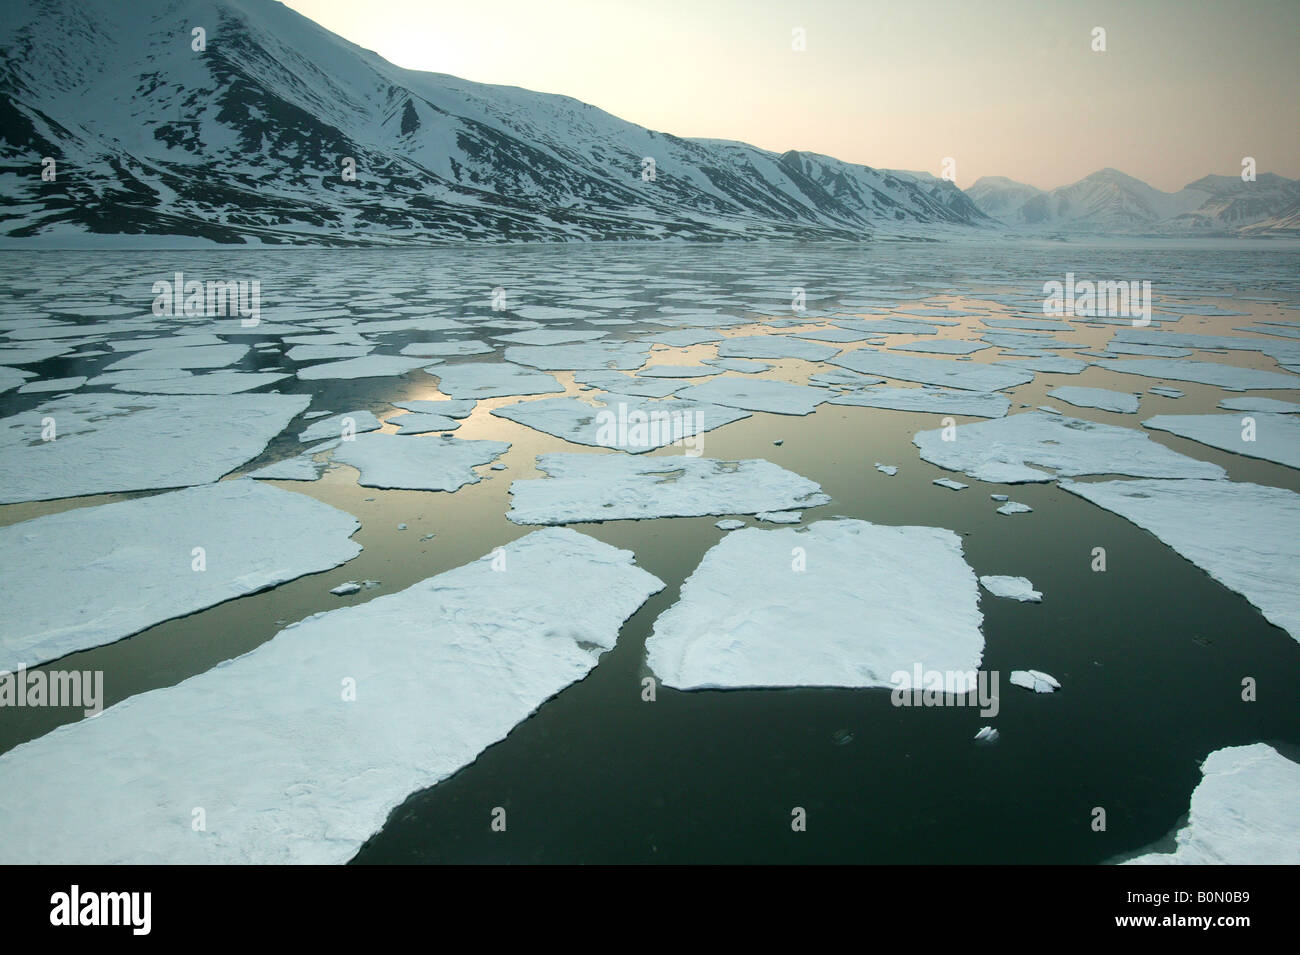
{"points": [[246, 140], [1109, 201]]}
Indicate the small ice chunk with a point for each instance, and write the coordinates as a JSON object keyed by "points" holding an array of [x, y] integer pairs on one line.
{"points": [[987, 734], [344, 589], [1015, 507], [950, 484], [780, 517], [998, 497], [1166, 392], [1014, 588], [1035, 680], [452, 408], [890, 469], [730, 524]]}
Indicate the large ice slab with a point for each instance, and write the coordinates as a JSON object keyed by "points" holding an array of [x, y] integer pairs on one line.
{"points": [[758, 394], [626, 422], [1002, 450], [1242, 535], [288, 766], [773, 346], [1244, 811], [590, 355], [934, 400], [862, 609], [1231, 377], [493, 379], [1273, 437], [970, 376], [1104, 399], [111, 442], [92, 575], [370, 366], [610, 487], [417, 464]]}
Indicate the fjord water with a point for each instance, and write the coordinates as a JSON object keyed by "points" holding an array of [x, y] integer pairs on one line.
{"points": [[1151, 653]]}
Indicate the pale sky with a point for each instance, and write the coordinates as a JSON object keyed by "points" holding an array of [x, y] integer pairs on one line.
{"points": [[1004, 87]]}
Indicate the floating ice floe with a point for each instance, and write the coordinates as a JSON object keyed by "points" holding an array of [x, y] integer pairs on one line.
{"points": [[1013, 588], [934, 371], [300, 749], [446, 349], [1244, 811], [950, 484], [746, 366], [493, 379], [415, 423], [369, 366], [621, 384], [452, 408], [1259, 404], [840, 378], [1015, 507], [417, 464], [625, 422], [677, 371], [942, 346], [610, 487], [1052, 364], [1165, 392], [837, 335], [320, 352], [1001, 450], [1256, 434], [682, 337], [1149, 351], [758, 394], [1102, 398], [346, 589], [48, 385], [589, 355], [937, 401], [201, 356], [353, 422], [780, 517], [550, 336], [92, 575], [1242, 535], [773, 346], [300, 467], [987, 734], [1231, 377], [730, 524], [889, 469], [1035, 680], [211, 383], [109, 442], [861, 610]]}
